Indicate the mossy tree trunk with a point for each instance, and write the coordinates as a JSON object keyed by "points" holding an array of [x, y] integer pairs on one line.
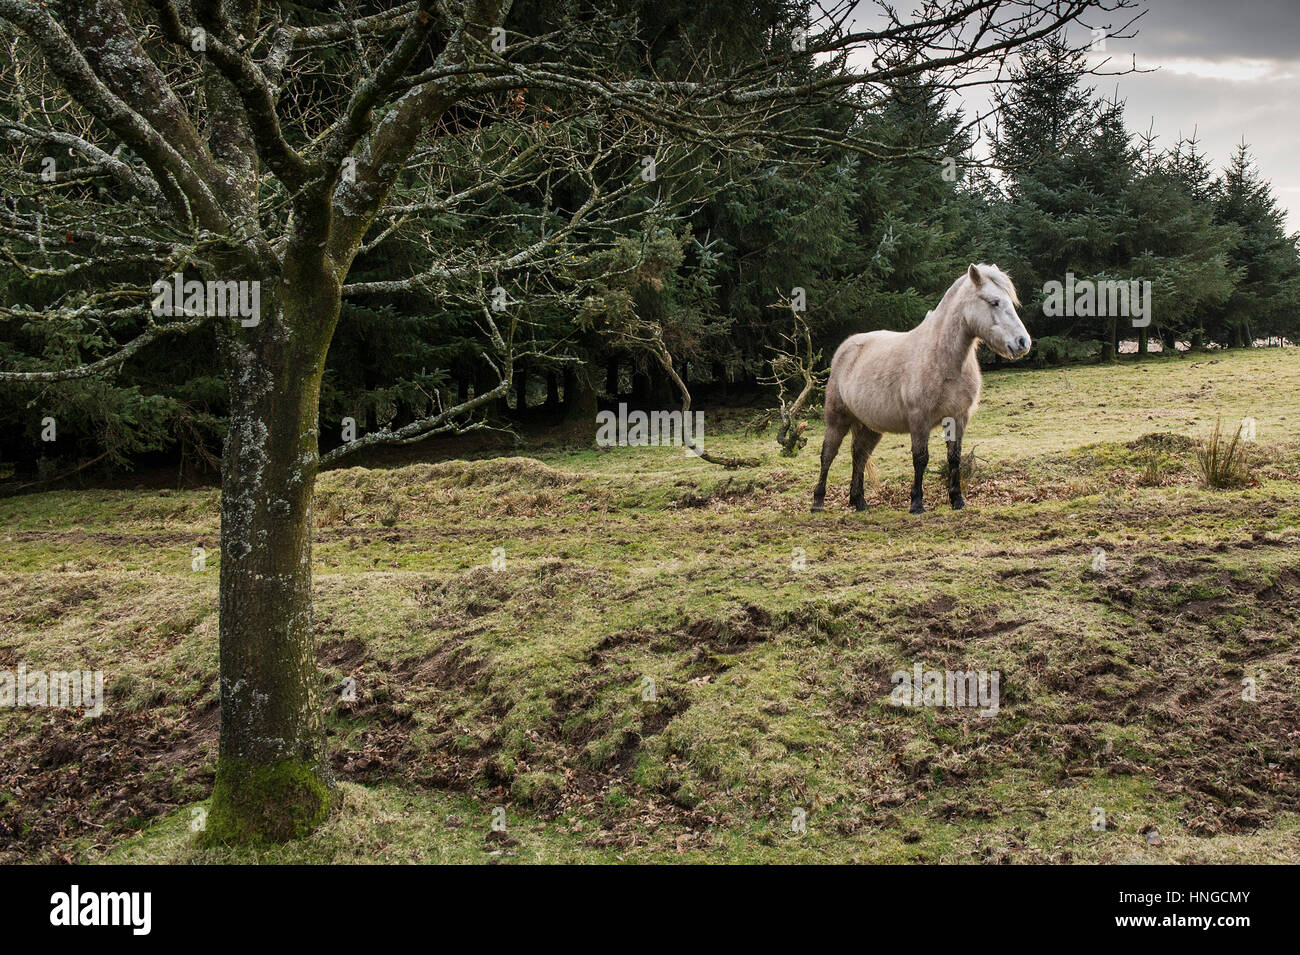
{"points": [[273, 780]]}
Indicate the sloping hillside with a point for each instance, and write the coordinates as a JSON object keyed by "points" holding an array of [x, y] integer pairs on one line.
{"points": [[640, 656]]}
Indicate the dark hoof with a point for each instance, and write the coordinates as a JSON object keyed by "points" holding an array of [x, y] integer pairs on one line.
{"points": [[859, 505], [818, 508], [916, 509], [958, 504]]}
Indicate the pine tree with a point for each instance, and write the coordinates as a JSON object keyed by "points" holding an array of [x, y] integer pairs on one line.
{"points": [[1177, 245], [1267, 294], [1067, 162]]}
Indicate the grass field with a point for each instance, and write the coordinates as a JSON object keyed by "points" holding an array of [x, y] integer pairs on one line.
{"points": [[672, 662]]}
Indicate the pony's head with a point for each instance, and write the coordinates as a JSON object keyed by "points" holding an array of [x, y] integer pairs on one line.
{"points": [[989, 308]]}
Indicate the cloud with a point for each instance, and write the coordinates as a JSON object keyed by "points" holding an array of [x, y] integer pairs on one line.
{"points": [[1228, 71], [1218, 30]]}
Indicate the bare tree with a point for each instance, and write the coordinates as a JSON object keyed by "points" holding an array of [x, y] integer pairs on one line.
{"points": [[230, 143], [795, 367]]}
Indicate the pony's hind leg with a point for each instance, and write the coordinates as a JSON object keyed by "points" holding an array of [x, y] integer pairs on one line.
{"points": [[836, 428], [864, 442], [920, 460]]}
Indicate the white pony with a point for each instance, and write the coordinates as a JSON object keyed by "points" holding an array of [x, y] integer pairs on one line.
{"points": [[910, 382]]}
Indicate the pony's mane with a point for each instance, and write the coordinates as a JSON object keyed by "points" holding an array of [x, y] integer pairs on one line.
{"points": [[991, 273]]}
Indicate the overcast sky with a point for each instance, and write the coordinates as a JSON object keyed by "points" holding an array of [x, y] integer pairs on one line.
{"points": [[1224, 69], [1228, 69]]}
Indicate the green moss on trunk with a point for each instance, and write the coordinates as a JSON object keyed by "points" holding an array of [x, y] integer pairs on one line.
{"points": [[275, 803]]}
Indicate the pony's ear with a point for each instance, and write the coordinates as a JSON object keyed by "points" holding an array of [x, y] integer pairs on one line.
{"points": [[975, 278]]}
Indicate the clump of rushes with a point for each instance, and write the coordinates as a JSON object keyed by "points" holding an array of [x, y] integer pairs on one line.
{"points": [[1223, 460], [1153, 474]]}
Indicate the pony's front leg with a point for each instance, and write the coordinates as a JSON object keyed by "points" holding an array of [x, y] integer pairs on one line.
{"points": [[953, 431], [920, 460]]}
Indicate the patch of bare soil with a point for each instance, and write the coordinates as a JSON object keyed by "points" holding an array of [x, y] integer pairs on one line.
{"points": [[102, 778], [109, 538], [29, 603], [762, 491], [1175, 675], [571, 759]]}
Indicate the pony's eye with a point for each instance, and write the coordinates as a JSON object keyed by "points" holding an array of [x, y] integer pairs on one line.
{"points": [[994, 302]]}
